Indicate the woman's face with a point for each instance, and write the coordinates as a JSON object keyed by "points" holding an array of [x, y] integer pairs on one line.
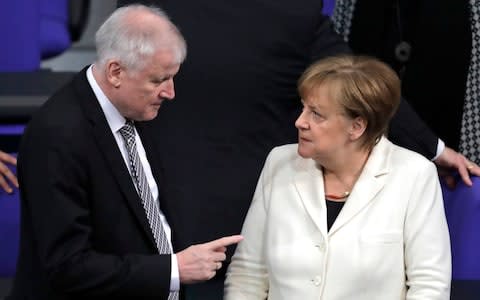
{"points": [[323, 127]]}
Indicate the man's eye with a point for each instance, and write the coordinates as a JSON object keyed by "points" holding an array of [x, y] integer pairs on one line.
{"points": [[159, 80]]}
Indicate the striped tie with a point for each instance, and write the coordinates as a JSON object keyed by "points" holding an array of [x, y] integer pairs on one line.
{"points": [[470, 130], [149, 204]]}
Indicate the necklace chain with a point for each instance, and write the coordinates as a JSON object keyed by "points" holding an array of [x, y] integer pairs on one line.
{"points": [[344, 195], [335, 197]]}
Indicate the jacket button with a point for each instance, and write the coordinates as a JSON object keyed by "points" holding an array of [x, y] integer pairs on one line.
{"points": [[317, 280], [320, 247]]}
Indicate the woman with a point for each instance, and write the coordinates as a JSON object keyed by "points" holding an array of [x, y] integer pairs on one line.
{"points": [[344, 214]]}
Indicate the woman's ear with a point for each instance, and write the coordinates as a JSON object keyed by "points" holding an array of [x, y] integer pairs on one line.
{"points": [[358, 127]]}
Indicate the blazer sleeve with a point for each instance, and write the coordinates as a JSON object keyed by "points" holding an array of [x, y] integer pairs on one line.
{"points": [[247, 275], [55, 198], [408, 130], [326, 42], [426, 237]]}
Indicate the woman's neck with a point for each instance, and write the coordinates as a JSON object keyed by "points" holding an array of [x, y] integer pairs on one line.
{"points": [[341, 173]]}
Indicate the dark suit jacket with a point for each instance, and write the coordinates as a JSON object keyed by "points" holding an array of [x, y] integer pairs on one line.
{"points": [[236, 99], [84, 233], [434, 78]]}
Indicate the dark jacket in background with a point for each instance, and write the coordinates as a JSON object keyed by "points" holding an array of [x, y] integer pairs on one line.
{"points": [[434, 78]]}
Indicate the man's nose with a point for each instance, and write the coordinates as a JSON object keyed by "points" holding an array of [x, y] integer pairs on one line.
{"points": [[168, 90]]}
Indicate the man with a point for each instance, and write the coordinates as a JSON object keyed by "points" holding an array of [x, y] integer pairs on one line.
{"points": [[91, 183], [237, 99], [420, 44], [6, 174]]}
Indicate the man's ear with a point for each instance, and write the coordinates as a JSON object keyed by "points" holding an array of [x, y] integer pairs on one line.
{"points": [[114, 73], [358, 127]]}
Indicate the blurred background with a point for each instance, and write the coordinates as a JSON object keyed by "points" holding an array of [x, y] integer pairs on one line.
{"points": [[36, 58]]}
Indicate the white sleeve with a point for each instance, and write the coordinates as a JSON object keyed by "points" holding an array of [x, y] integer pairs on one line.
{"points": [[427, 242], [247, 275]]}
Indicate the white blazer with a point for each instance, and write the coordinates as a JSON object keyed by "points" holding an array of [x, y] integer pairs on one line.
{"points": [[390, 240]]}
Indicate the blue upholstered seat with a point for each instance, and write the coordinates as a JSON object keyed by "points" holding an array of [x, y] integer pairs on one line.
{"points": [[31, 30], [9, 231], [462, 207]]}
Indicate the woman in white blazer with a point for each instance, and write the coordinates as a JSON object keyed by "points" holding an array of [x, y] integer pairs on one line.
{"points": [[344, 214]]}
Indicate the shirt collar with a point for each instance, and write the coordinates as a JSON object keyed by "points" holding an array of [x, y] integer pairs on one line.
{"points": [[114, 119]]}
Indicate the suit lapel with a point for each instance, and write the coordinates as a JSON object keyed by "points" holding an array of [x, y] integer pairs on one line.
{"points": [[370, 182], [153, 157], [109, 149], [309, 185]]}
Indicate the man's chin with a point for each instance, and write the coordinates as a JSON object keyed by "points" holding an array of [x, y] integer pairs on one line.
{"points": [[149, 116]]}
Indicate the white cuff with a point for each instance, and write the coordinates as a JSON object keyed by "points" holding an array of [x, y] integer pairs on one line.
{"points": [[440, 148], [175, 275]]}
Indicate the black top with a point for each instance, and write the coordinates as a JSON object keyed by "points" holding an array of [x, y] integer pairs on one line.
{"points": [[333, 209]]}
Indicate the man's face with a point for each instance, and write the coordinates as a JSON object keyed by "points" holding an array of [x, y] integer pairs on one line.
{"points": [[142, 92]]}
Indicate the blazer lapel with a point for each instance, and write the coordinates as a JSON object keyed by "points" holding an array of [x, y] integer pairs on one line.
{"points": [[368, 185], [112, 155], [309, 185]]}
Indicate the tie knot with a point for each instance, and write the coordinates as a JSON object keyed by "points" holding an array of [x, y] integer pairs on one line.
{"points": [[127, 130]]}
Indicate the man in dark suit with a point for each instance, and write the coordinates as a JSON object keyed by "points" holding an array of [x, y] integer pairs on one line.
{"points": [[237, 99], [428, 43], [89, 227], [430, 49]]}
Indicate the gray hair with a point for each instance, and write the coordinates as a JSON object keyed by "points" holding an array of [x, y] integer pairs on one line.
{"points": [[118, 39]]}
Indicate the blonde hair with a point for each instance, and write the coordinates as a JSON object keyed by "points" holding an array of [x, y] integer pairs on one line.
{"points": [[362, 86]]}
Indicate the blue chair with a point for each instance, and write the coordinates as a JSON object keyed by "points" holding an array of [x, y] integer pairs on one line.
{"points": [[32, 30], [9, 237], [54, 27], [328, 7], [19, 31], [9, 232], [462, 208]]}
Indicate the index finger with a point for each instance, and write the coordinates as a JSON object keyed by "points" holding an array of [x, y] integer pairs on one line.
{"points": [[224, 241]]}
